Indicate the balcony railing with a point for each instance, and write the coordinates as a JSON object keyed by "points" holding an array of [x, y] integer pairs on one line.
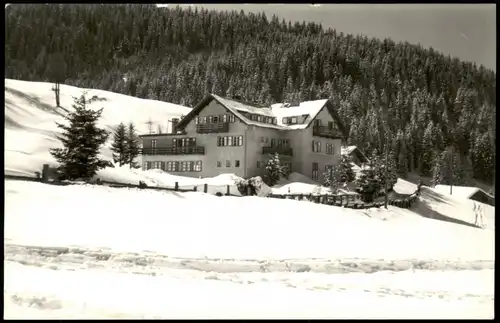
{"points": [[212, 127], [286, 151], [195, 150], [322, 131]]}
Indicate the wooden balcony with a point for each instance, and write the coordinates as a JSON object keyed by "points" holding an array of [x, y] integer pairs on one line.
{"points": [[212, 127], [325, 132], [286, 151], [195, 150]]}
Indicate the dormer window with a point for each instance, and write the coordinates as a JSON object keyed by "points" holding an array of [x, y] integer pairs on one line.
{"points": [[284, 120], [293, 120], [259, 118]]}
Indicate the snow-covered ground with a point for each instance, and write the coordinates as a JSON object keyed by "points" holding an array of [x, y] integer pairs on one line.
{"points": [[86, 251], [30, 116]]}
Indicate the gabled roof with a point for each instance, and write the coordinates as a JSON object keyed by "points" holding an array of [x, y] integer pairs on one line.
{"points": [[278, 111], [347, 150], [459, 191]]}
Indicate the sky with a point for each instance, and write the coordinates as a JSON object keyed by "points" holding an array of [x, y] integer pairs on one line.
{"points": [[466, 31]]}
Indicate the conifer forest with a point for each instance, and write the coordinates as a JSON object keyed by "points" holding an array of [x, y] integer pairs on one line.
{"points": [[424, 102]]}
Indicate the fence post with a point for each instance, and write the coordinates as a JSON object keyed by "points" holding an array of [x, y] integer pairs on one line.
{"points": [[227, 191], [45, 173], [176, 187], [205, 188]]}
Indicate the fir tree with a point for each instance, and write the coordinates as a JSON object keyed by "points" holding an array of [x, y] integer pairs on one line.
{"points": [[82, 140], [274, 171], [119, 145], [133, 149]]}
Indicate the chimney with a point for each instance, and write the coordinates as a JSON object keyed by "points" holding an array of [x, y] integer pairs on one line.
{"points": [[175, 121]]}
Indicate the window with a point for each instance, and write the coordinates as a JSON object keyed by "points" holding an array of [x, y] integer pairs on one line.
{"points": [[162, 166], [285, 143], [273, 142], [315, 171], [259, 118], [267, 140], [215, 119], [284, 120], [275, 121], [293, 120], [184, 166], [330, 125], [280, 143], [210, 119], [224, 118], [228, 163], [147, 165], [197, 166], [330, 149], [231, 118], [236, 163], [316, 146], [219, 164], [258, 164], [317, 122], [153, 143], [230, 141]]}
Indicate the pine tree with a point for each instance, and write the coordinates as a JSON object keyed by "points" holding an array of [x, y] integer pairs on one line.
{"points": [[82, 140], [133, 149], [119, 145], [274, 171]]}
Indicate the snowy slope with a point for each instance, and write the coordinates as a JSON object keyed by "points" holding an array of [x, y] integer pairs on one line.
{"points": [[233, 258], [30, 117]]}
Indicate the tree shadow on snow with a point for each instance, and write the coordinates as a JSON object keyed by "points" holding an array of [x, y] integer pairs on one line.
{"points": [[32, 100], [434, 196], [423, 209]]}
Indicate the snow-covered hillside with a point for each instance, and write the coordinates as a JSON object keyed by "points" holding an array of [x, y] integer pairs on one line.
{"points": [[197, 255], [30, 117], [84, 251]]}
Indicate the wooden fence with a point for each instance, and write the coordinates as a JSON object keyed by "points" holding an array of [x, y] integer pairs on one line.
{"points": [[348, 200], [176, 187]]}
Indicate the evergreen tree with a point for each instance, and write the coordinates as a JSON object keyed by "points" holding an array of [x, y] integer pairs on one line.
{"points": [[82, 140], [119, 145], [332, 178], [133, 148], [274, 171], [452, 169]]}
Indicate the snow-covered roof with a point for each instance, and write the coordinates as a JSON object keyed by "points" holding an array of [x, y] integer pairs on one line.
{"points": [[278, 111], [347, 150], [306, 108], [305, 111], [459, 191], [244, 107]]}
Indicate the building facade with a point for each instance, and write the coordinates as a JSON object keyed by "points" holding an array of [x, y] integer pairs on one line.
{"points": [[221, 136]]}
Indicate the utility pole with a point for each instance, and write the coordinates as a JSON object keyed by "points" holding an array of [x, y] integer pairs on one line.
{"points": [[386, 199]]}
